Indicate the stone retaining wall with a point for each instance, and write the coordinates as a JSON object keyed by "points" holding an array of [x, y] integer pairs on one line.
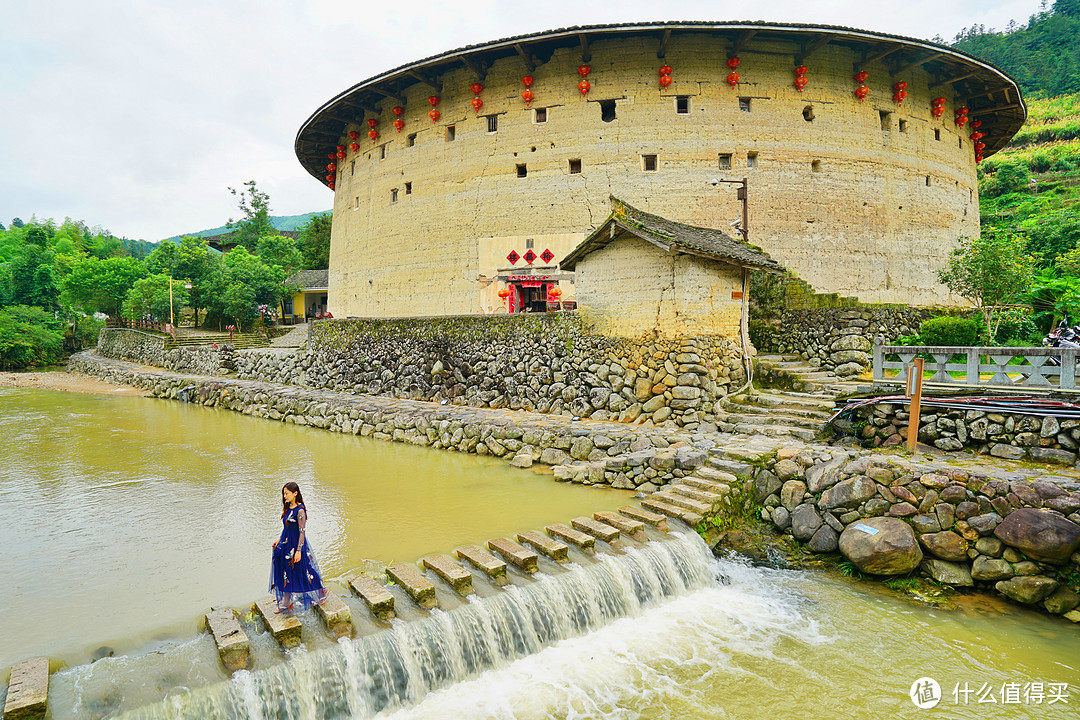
{"points": [[1005, 435], [147, 349], [545, 363], [994, 530]]}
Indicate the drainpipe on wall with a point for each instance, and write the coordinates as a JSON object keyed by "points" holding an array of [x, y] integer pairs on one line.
{"points": [[744, 330]]}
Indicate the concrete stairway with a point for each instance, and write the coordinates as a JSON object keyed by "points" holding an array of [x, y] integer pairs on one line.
{"points": [[206, 339], [776, 413], [805, 377]]}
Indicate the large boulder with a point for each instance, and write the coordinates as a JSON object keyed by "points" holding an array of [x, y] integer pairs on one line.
{"points": [[805, 521], [849, 493], [881, 546], [1027, 590], [946, 545], [1040, 534], [949, 573]]}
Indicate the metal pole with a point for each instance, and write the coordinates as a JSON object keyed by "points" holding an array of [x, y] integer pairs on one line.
{"points": [[172, 317], [744, 195]]}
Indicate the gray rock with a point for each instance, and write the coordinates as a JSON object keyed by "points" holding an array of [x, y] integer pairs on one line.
{"points": [[1040, 534], [849, 493], [781, 518], [824, 540], [991, 569], [925, 524], [788, 469], [948, 573], [891, 550], [805, 521], [946, 515], [946, 545], [1061, 601], [1009, 452], [792, 494], [1027, 590], [848, 369], [765, 485], [1025, 567], [984, 524], [554, 456], [522, 460], [819, 477], [990, 546], [1052, 455], [948, 444]]}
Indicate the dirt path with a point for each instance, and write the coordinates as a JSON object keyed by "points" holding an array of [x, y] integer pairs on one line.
{"points": [[59, 380]]}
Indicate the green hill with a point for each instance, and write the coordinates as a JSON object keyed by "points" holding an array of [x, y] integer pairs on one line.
{"points": [[280, 222]]}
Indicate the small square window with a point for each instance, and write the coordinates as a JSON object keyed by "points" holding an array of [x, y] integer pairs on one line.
{"points": [[744, 104], [393, 195], [808, 113], [725, 161], [522, 170], [410, 140], [903, 126], [607, 110], [682, 104], [528, 243], [886, 119], [960, 142], [751, 159], [575, 166], [648, 163], [815, 166], [451, 133], [382, 152], [540, 115], [493, 123], [408, 188]]}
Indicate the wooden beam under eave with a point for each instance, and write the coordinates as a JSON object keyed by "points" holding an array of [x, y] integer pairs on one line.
{"points": [[386, 93], [810, 48], [477, 68], [742, 40], [917, 63], [992, 110], [530, 62], [950, 81], [881, 55], [586, 54], [340, 118], [664, 40], [436, 86]]}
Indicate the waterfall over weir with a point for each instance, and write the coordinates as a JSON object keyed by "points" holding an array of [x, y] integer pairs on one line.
{"points": [[359, 678]]}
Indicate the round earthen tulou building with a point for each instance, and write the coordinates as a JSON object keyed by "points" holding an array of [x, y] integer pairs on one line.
{"points": [[462, 180]]}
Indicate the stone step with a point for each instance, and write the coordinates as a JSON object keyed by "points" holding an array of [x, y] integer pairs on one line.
{"points": [[772, 417], [557, 551], [28, 690], [672, 511], [285, 628], [455, 574], [379, 600], [734, 467], [648, 517], [419, 588], [778, 358], [336, 615], [515, 554], [713, 475], [487, 563], [706, 485], [797, 407], [631, 528], [564, 532], [232, 642], [674, 498], [776, 431], [712, 500], [599, 530]]}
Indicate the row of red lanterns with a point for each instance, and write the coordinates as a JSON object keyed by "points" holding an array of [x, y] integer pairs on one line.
{"points": [[899, 92], [665, 77]]}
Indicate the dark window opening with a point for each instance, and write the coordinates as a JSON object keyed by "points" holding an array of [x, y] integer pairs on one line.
{"points": [[382, 152], [682, 104], [751, 159], [493, 123], [927, 181], [815, 166], [937, 133], [408, 188], [725, 161], [451, 133], [960, 142], [607, 110], [522, 171], [744, 104], [808, 113], [528, 243], [886, 120], [541, 115], [648, 163], [903, 126], [352, 167], [411, 140], [393, 195], [575, 167]]}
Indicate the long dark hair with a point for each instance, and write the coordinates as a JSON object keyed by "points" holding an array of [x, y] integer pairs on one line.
{"points": [[291, 487]]}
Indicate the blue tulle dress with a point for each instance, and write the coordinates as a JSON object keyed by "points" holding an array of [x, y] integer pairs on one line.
{"points": [[300, 583]]}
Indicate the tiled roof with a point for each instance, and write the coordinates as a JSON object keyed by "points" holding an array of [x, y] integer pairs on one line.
{"points": [[309, 279]]}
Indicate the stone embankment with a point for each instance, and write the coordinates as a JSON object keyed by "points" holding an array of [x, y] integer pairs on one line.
{"points": [[1012, 436], [1012, 532], [148, 349]]}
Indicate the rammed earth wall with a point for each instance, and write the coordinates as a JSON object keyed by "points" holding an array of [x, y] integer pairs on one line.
{"points": [[547, 363]]}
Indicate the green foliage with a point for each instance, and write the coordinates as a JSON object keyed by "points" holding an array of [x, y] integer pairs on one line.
{"points": [[1016, 328], [96, 285], [951, 331], [315, 242], [990, 271], [1053, 297], [240, 284], [1004, 178], [281, 252], [29, 336], [255, 208], [149, 299]]}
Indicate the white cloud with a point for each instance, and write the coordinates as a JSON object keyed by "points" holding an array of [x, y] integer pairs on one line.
{"points": [[137, 115]]}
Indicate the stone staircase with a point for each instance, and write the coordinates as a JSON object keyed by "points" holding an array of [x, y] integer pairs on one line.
{"points": [[239, 341]]}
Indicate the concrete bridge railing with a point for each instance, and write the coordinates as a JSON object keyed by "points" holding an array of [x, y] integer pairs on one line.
{"points": [[980, 367]]}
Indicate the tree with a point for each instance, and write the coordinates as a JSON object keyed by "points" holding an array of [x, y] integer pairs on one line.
{"points": [[149, 298], [315, 242], [243, 283], [97, 285], [17, 223], [255, 207], [990, 271], [29, 336], [280, 251], [32, 278]]}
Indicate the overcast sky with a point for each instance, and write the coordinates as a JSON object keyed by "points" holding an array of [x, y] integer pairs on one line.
{"points": [[136, 116]]}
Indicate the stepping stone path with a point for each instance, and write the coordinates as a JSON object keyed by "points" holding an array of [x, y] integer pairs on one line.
{"points": [[515, 554], [284, 627], [484, 561], [232, 642], [557, 551], [419, 588], [453, 573], [379, 600], [565, 532], [28, 690], [335, 615]]}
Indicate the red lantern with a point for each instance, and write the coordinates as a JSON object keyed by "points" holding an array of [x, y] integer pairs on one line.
{"points": [[801, 70], [899, 96], [980, 146], [353, 134], [477, 103], [373, 134], [504, 293], [330, 185], [961, 120], [733, 62], [584, 86], [978, 159], [399, 123], [665, 70], [584, 70], [397, 110], [733, 79], [329, 178], [341, 154], [332, 156], [862, 76], [962, 111], [976, 124], [527, 81], [937, 111], [665, 80], [861, 92], [938, 101], [555, 293], [476, 88], [372, 122], [527, 96], [900, 86], [433, 100], [354, 146], [800, 82], [434, 115], [340, 148], [976, 135]]}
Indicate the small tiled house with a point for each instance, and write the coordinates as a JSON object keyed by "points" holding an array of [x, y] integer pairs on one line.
{"points": [[640, 273], [309, 300]]}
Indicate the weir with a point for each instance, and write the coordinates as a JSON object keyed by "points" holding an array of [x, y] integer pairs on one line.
{"points": [[392, 668]]}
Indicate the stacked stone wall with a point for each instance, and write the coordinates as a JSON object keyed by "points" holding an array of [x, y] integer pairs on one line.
{"points": [[148, 349], [549, 363]]}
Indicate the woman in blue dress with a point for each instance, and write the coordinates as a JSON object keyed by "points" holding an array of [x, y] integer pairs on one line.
{"points": [[294, 573]]}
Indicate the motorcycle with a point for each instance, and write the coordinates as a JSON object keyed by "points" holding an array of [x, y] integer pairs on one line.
{"points": [[1063, 336]]}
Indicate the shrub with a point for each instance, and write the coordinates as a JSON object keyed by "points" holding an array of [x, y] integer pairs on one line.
{"points": [[951, 331], [1016, 328]]}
